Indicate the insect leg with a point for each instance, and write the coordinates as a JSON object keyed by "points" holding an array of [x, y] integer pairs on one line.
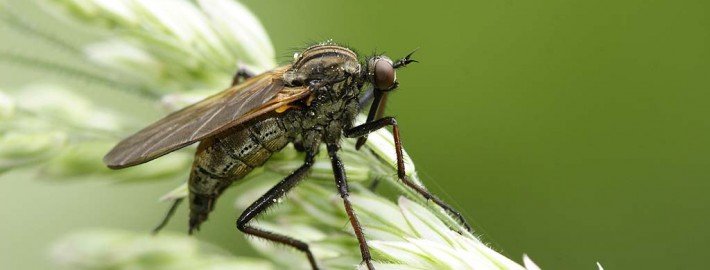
{"points": [[376, 110], [367, 96], [268, 199], [367, 128], [243, 73], [298, 144], [169, 215], [342, 184]]}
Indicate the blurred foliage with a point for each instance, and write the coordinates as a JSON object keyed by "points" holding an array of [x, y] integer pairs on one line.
{"points": [[112, 249]]}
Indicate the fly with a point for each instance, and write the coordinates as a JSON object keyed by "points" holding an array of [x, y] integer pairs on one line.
{"points": [[310, 102]]}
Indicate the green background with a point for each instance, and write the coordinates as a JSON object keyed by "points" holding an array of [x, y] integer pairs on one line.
{"points": [[572, 131]]}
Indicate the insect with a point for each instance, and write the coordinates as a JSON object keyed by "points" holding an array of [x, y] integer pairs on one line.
{"points": [[310, 102]]}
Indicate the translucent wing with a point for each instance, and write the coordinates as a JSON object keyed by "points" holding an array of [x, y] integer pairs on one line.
{"points": [[254, 97]]}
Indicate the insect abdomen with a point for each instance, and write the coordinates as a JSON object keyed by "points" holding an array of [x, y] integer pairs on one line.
{"points": [[228, 157]]}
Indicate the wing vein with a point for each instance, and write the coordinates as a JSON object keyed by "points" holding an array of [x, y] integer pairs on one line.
{"points": [[197, 130]]}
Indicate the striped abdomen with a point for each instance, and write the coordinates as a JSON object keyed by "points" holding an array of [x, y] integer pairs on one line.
{"points": [[230, 156]]}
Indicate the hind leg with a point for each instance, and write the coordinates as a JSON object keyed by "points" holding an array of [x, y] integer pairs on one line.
{"points": [[268, 199], [169, 215]]}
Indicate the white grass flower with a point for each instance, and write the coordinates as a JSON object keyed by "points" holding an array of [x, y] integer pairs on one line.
{"points": [[177, 44], [66, 134], [112, 249], [241, 31], [7, 106], [529, 264], [126, 58], [61, 107], [25, 148], [164, 48]]}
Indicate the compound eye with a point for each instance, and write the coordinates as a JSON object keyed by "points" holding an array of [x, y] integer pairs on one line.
{"points": [[384, 74]]}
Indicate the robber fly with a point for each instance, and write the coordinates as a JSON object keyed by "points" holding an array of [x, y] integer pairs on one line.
{"points": [[310, 102]]}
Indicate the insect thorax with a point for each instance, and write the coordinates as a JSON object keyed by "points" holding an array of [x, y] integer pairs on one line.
{"points": [[334, 74], [331, 110], [322, 63]]}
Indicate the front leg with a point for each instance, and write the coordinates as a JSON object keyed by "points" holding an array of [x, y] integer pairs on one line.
{"points": [[377, 109], [370, 127], [342, 183]]}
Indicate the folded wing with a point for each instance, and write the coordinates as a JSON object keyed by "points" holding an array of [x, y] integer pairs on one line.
{"points": [[231, 107]]}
